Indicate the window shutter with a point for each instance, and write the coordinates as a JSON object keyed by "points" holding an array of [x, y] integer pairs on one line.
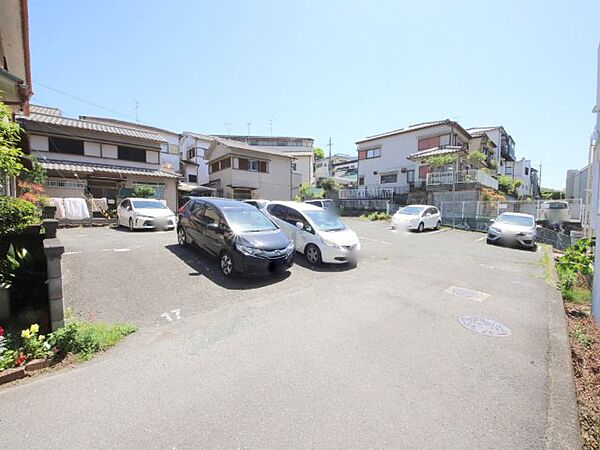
{"points": [[262, 166], [243, 162]]}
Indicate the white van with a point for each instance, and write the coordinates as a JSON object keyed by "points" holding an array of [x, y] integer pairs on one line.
{"points": [[316, 233]]}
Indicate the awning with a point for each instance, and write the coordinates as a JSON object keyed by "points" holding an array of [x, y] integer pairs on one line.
{"points": [[235, 186], [88, 168], [190, 187]]}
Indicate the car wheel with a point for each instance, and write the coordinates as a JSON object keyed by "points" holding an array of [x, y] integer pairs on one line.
{"points": [[313, 254], [182, 237], [421, 227], [226, 263], [487, 241], [438, 224], [131, 225]]}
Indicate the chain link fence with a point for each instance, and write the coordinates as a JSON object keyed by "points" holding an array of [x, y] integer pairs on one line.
{"points": [[560, 220]]}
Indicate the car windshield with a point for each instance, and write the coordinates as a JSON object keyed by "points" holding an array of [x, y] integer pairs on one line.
{"points": [[411, 210], [148, 204], [509, 219], [324, 221], [248, 221]]}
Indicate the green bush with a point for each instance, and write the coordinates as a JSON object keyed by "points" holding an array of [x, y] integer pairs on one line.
{"points": [[84, 339], [376, 216], [16, 214], [143, 192], [574, 268], [476, 158]]}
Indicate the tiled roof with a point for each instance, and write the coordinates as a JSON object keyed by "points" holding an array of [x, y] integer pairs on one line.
{"points": [[59, 121], [436, 151], [415, 127], [241, 145], [67, 166], [48, 110], [479, 131]]}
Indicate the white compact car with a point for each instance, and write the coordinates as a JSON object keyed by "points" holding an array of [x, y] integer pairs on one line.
{"points": [[145, 213], [417, 217], [316, 233]]}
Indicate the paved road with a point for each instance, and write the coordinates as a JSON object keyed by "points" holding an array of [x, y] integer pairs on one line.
{"points": [[327, 358]]}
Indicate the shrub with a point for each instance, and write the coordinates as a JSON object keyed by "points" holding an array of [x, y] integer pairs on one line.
{"points": [[376, 216], [476, 158], [574, 270], [143, 192], [10, 136], [84, 339], [16, 214], [440, 161]]}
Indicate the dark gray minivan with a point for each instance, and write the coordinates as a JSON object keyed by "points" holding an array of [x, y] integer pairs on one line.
{"points": [[243, 238]]}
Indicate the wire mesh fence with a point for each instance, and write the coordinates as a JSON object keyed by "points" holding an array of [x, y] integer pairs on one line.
{"points": [[560, 220]]}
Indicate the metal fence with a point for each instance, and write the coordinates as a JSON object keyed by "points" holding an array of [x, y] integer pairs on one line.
{"points": [[560, 221]]}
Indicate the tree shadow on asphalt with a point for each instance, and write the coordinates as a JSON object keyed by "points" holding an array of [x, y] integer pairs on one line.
{"points": [[208, 267]]}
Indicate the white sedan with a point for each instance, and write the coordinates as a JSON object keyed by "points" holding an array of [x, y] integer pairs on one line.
{"points": [[145, 213], [417, 217]]}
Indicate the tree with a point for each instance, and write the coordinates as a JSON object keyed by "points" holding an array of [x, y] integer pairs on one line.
{"points": [[329, 184], [476, 158], [307, 192], [319, 153], [143, 192], [440, 161], [10, 137]]}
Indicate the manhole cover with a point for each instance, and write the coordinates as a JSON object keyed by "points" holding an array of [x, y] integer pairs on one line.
{"points": [[467, 293], [487, 327]]}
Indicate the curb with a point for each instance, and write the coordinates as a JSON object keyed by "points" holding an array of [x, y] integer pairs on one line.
{"points": [[16, 373], [562, 423]]}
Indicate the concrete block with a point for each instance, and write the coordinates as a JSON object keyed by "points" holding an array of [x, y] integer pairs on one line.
{"points": [[57, 310], [36, 364], [8, 375], [56, 324], [54, 266], [53, 247], [55, 290]]}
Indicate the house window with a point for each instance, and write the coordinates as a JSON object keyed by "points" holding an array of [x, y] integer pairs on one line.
{"points": [[253, 165], [192, 178], [132, 154], [431, 142], [220, 165], [370, 153], [389, 178], [295, 166], [191, 153], [63, 145], [410, 176], [361, 181], [526, 170]]}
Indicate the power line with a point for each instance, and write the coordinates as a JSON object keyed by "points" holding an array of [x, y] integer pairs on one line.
{"points": [[84, 100]]}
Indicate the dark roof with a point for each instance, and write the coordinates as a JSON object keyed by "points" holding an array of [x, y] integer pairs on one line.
{"points": [[415, 127], [437, 151], [126, 124], [79, 167]]}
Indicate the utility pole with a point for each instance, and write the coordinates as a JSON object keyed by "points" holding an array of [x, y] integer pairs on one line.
{"points": [[228, 126], [136, 107], [271, 125], [248, 125], [329, 160]]}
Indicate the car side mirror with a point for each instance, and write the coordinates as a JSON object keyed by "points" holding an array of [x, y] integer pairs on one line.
{"points": [[538, 227], [212, 226], [492, 220], [300, 225]]}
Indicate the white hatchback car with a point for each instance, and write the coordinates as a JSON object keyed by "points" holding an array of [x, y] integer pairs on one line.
{"points": [[417, 217], [145, 213], [316, 233]]}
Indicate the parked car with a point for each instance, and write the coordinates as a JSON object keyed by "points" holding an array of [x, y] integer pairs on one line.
{"points": [[324, 203], [243, 238], [417, 217], [513, 228], [260, 204], [554, 214], [145, 213], [317, 233]]}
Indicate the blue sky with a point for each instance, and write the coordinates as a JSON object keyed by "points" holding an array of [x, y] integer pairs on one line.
{"points": [[338, 69]]}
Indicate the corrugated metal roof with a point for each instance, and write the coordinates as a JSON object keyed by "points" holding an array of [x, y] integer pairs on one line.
{"points": [[436, 151], [60, 121], [66, 166]]}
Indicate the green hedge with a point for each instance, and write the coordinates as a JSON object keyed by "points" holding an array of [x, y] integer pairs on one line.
{"points": [[16, 214]]}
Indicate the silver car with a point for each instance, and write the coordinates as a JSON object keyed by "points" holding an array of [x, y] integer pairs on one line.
{"points": [[513, 228]]}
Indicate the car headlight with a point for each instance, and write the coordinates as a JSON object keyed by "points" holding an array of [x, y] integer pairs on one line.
{"points": [[245, 250], [495, 230], [329, 243], [290, 246], [143, 216]]}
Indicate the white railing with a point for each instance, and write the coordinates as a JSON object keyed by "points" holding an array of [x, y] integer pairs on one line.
{"points": [[366, 193], [462, 177], [75, 184]]}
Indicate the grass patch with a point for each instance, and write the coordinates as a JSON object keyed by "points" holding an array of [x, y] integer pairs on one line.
{"points": [[577, 295], [547, 264], [83, 339]]}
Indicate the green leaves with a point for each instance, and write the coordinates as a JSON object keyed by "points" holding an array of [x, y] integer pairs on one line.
{"points": [[9, 265], [143, 192], [16, 214], [10, 137], [440, 161]]}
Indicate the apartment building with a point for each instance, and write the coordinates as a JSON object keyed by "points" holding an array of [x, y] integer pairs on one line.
{"points": [[299, 148], [242, 171], [95, 159]]}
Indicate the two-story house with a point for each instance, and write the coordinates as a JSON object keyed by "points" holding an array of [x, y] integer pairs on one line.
{"points": [[93, 159], [241, 171], [299, 148], [504, 145], [193, 148]]}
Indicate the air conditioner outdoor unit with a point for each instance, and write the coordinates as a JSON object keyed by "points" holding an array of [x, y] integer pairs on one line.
{"points": [[403, 170]]}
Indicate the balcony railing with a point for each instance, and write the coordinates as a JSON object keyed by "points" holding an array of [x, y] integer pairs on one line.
{"points": [[372, 193], [461, 177]]}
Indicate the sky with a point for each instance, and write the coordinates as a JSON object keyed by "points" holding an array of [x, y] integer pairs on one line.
{"points": [[328, 69]]}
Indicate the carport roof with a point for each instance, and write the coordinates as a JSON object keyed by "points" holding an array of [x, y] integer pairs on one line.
{"points": [[436, 151], [63, 166]]}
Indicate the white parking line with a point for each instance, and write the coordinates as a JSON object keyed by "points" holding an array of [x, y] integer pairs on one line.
{"points": [[71, 253], [479, 239], [121, 249], [374, 240]]}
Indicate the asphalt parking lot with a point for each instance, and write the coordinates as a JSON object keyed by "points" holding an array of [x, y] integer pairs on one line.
{"points": [[330, 357]]}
